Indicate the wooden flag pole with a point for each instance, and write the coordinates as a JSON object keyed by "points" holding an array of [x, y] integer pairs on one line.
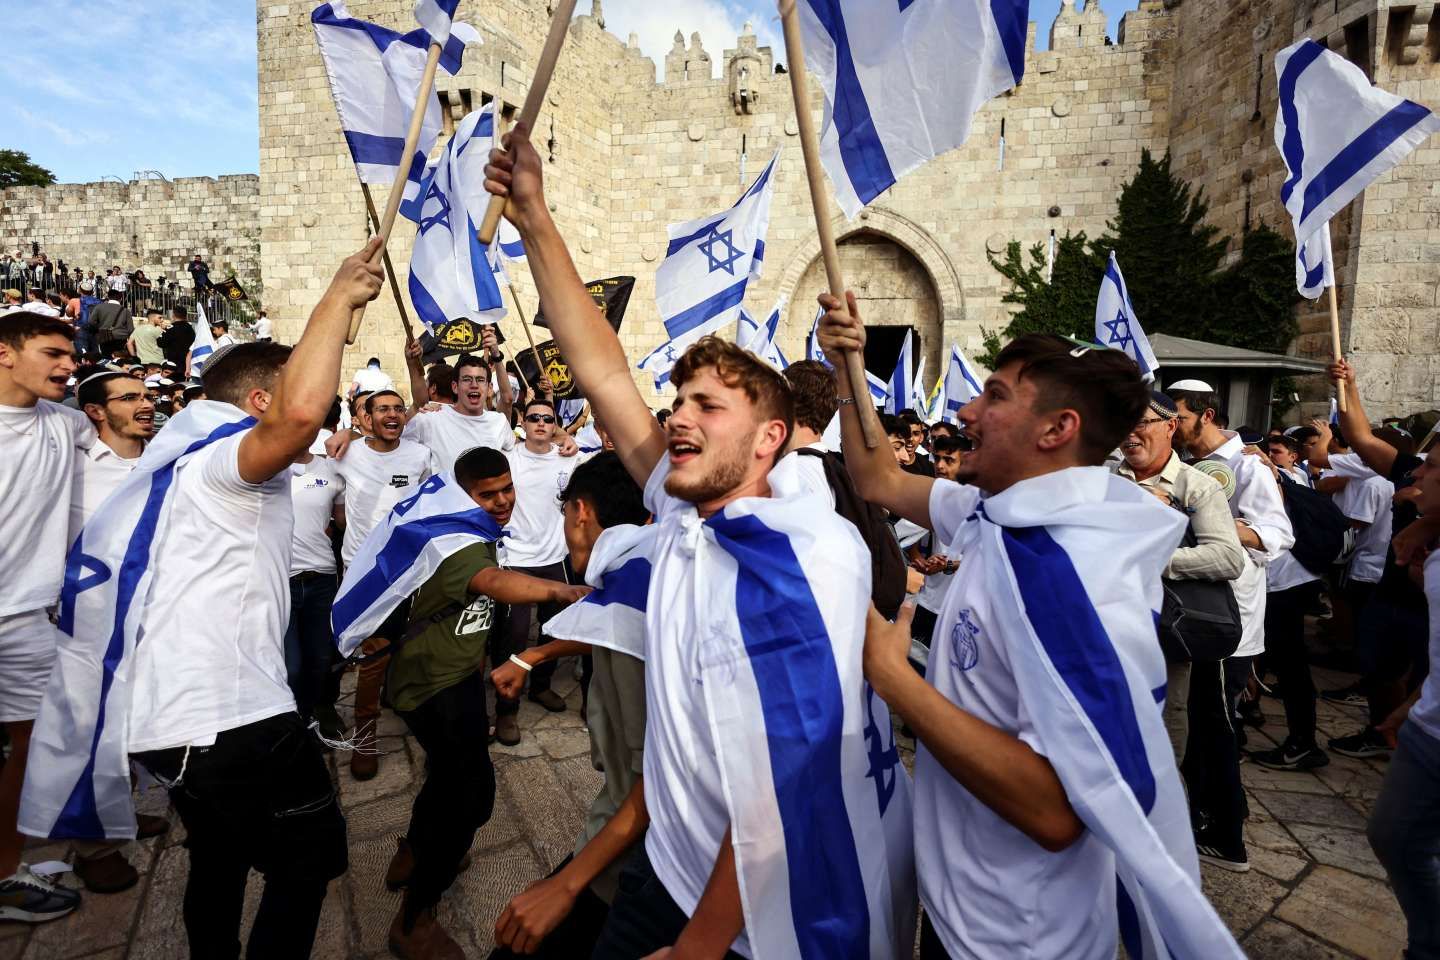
{"points": [[810, 147], [402, 175], [525, 325], [389, 267], [534, 98], [1335, 342]]}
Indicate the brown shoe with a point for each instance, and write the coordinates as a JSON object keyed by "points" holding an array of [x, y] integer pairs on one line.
{"points": [[111, 873], [507, 729], [364, 766], [147, 826], [550, 700], [427, 940]]}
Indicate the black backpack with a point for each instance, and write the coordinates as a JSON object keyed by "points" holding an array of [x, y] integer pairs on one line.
{"points": [[1199, 619], [888, 571], [1319, 526]]}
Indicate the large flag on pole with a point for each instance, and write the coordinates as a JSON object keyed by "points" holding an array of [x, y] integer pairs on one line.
{"points": [[961, 385], [1115, 323], [812, 340], [903, 81], [1314, 265], [900, 389], [450, 275], [204, 343], [1336, 132], [701, 282], [374, 77], [436, 17], [759, 339]]}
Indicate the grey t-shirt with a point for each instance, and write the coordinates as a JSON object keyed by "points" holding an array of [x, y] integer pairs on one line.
{"points": [[616, 717]]}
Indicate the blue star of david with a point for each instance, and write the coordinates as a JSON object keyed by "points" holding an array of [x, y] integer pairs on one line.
{"points": [[670, 354], [726, 258], [883, 758], [440, 217], [1119, 332]]}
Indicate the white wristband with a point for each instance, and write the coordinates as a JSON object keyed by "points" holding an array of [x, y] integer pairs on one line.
{"points": [[520, 663]]}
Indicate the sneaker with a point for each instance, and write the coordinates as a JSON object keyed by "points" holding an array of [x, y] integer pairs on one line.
{"points": [[1235, 860], [550, 700], [1291, 756], [33, 899], [110, 873], [1250, 713], [1351, 695], [1366, 743], [507, 729]]}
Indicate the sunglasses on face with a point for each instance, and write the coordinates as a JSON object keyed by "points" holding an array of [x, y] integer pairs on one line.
{"points": [[539, 418]]}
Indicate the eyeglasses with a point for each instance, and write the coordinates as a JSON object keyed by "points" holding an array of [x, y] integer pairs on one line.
{"points": [[539, 418], [1148, 421], [129, 398], [472, 381]]}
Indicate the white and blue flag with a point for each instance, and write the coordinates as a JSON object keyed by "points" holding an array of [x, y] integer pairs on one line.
{"points": [[812, 340], [660, 362], [77, 784], [402, 552], [961, 385], [436, 18], [879, 389], [1116, 325], [918, 400], [204, 343], [451, 275], [1314, 264], [375, 77], [900, 389], [760, 340], [1336, 133], [903, 81], [701, 282], [613, 615]]}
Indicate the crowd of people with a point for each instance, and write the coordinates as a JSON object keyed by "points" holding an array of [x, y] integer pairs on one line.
{"points": [[1073, 599]]}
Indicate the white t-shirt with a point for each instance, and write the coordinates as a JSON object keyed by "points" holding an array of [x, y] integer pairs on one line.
{"points": [[449, 433], [375, 482], [1369, 501], [536, 531], [1286, 572], [371, 379], [38, 449], [315, 488], [98, 471], [210, 653], [224, 340], [1426, 712], [989, 889], [42, 308], [118, 281], [805, 471], [264, 328]]}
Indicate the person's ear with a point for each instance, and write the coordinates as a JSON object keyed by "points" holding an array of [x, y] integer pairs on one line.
{"points": [[1061, 428]]}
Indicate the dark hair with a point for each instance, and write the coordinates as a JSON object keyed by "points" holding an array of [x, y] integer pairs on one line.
{"points": [[1401, 441], [358, 401], [470, 360], [737, 367], [1289, 443], [1102, 386], [153, 312], [441, 378], [895, 427], [1305, 434], [54, 299], [1338, 436], [332, 419], [22, 325], [373, 360], [538, 402], [370, 400], [115, 296], [479, 463], [1198, 401], [950, 429], [222, 324], [180, 313], [242, 368], [816, 394], [946, 445], [605, 484], [97, 390], [910, 417]]}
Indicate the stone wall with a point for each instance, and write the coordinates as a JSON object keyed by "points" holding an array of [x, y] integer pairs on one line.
{"points": [[156, 225]]}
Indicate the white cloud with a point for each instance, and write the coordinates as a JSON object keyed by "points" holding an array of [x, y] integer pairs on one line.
{"points": [[718, 22], [70, 136]]}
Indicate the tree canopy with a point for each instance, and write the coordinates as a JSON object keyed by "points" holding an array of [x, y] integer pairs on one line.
{"points": [[17, 170]]}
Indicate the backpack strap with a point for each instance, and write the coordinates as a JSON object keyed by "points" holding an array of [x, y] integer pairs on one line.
{"points": [[417, 627]]}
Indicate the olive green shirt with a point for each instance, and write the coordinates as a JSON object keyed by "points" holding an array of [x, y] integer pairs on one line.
{"points": [[452, 648]]}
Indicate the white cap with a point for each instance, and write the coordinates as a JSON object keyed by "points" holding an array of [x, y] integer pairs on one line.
{"points": [[1194, 386], [153, 381]]}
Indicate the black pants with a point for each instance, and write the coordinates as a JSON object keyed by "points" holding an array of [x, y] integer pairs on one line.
{"points": [[310, 644], [575, 936], [516, 632], [458, 794], [644, 917], [1285, 650], [930, 946], [260, 797], [1211, 767]]}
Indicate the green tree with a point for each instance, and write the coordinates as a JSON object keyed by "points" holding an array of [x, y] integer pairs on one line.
{"points": [[1064, 304], [1257, 295], [16, 170]]}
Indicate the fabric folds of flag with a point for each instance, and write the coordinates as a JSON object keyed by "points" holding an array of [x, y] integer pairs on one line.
{"points": [[436, 18], [204, 343], [812, 340], [374, 77], [904, 80], [77, 782], [961, 385], [613, 616], [760, 340], [879, 389], [452, 276], [660, 362], [1336, 132], [900, 389], [402, 552], [709, 262], [1116, 325], [1314, 264]]}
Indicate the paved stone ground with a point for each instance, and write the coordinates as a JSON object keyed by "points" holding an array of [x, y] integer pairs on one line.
{"points": [[1315, 891]]}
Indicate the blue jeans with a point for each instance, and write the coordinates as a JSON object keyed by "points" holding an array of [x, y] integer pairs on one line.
{"points": [[1405, 835], [309, 644]]}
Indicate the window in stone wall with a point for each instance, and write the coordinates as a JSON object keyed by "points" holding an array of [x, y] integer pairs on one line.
{"points": [[1357, 45]]}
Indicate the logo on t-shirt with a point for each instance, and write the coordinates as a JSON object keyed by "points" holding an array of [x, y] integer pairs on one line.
{"points": [[313, 483], [964, 641], [399, 480], [476, 617]]}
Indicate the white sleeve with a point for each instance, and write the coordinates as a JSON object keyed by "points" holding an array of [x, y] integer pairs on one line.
{"points": [[220, 468], [416, 429], [1263, 508], [80, 426], [1372, 503], [951, 504], [1351, 466]]}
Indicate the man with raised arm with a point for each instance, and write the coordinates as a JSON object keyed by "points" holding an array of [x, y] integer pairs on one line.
{"points": [[736, 640]]}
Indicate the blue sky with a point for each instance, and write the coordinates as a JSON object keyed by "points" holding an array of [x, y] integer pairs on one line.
{"points": [[99, 90]]}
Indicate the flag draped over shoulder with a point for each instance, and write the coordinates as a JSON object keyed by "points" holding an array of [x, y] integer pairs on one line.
{"points": [[900, 390], [613, 615], [77, 782], [903, 81], [402, 552], [1336, 133], [1116, 325], [961, 385], [375, 77]]}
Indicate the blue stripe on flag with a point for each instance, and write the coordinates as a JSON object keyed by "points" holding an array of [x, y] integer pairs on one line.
{"points": [[1012, 19], [426, 308], [487, 291], [1129, 922], [627, 585], [369, 148], [790, 655], [687, 320], [680, 243], [1294, 146], [860, 147], [80, 817], [514, 250], [1359, 152], [1074, 639]]}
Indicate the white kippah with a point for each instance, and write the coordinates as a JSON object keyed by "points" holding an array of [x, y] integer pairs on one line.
{"points": [[1195, 386]]}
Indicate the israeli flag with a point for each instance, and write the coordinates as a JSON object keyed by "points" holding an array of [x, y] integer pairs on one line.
{"points": [[709, 262], [374, 77], [77, 783], [903, 81], [660, 362], [918, 403], [760, 340], [1336, 133], [900, 389], [402, 552], [204, 343], [879, 389], [1116, 325], [450, 274], [435, 17], [961, 385], [613, 616], [1314, 264], [812, 340]]}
